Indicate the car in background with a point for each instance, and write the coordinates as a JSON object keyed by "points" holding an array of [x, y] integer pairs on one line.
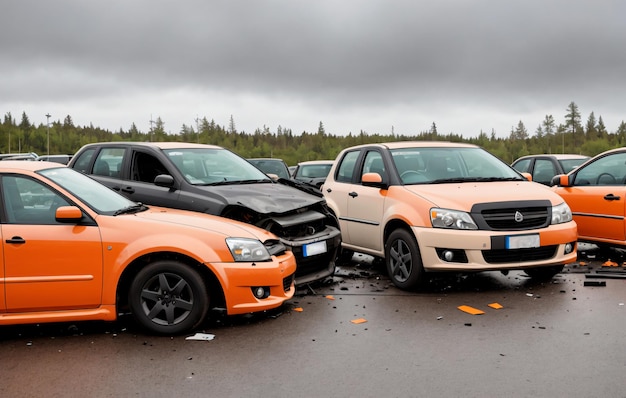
{"points": [[596, 193], [439, 206], [271, 167], [63, 159], [19, 156], [313, 172], [74, 250], [211, 179], [544, 167], [291, 170]]}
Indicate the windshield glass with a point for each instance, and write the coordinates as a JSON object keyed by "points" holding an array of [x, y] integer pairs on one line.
{"points": [[95, 195], [206, 166], [437, 164]]}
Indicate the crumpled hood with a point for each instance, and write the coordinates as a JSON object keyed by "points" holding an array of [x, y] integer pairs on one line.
{"points": [[209, 222], [265, 198], [462, 196]]}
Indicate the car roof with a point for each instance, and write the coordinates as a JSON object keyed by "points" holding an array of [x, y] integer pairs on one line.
{"points": [[266, 159], [311, 162], [27, 166], [416, 144], [558, 156], [161, 145]]}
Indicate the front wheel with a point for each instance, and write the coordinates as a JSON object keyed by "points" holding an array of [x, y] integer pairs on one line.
{"points": [[544, 273], [403, 260], [168, 297]]}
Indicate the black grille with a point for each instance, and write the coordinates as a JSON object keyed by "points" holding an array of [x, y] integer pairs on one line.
{"points": [[512, 216], [287, 283], [519, 255]]}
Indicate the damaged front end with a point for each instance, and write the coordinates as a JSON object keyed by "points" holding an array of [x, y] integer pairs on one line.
{"points": [[311, 233]]}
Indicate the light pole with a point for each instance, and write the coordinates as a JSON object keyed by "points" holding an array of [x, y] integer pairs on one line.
{"points": [[48, 129]]}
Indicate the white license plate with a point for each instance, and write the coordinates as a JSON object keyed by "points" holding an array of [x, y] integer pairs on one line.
{"points": [[313, 249], [522, 241]]}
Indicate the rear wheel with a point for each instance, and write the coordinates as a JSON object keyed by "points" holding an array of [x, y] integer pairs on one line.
{"points": [[403, 260], [544, 273], [168, 297]]}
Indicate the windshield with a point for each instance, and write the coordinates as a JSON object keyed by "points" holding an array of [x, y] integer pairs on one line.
{"points": [[212, 166], [95, 195], [441, 165]]}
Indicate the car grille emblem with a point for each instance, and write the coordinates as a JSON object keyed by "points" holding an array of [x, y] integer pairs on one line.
{"points": [[518, 217]]}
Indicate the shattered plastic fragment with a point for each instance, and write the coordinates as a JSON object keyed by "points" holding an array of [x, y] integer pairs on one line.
{"points": [[470, 310], [610, 263], [495, 306], [330, 297], [201, 336], [358, 321], [298, 309]]}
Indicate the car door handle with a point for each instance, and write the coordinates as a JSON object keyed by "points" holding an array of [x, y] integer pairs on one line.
{"points": [[353, 194], [16, 239], [611, 197], [128, 190], [329, 190]]}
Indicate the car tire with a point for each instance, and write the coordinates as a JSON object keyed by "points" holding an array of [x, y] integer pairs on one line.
{"points": [[168, 297], [544, 273], [403, 260]]}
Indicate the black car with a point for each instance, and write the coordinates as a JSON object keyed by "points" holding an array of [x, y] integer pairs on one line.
{"points": [[214, 180], [543, 168]]}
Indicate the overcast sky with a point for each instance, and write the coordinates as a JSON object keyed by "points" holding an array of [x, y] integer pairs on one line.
{"points": [[354, 65]]}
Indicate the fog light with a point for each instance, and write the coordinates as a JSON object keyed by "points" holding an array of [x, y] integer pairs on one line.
{"points": [[261, 292], [569, 248], [448, 255]]}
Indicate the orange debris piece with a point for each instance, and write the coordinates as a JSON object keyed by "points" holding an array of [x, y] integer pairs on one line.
{"points": [[470, 310]]}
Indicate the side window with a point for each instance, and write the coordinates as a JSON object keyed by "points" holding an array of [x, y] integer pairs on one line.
{"points": [[84, 160], [543, 171], [373, 164], [522, 166], [109, 162], [609, 170], [346, 168], [146, 167], [27, 201]]}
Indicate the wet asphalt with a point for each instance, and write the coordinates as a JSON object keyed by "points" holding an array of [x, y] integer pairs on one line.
{"points": [[356, 335]]}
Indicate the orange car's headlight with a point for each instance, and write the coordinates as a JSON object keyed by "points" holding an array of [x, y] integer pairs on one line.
{"points": [[246, 250], [561, 214]]}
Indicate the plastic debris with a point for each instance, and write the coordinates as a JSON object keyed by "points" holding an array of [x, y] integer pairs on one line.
{"points": [[358, 321], [610, 263], [495, 306], [298, 309], [470, 310], [330, 297], [201, 337]]}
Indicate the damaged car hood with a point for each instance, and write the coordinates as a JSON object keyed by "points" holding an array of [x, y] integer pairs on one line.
{"points": [[265, 198]]}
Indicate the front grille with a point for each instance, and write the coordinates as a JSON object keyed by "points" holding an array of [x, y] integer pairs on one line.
{"points": [[501, 256], [287, 283], [311, 265], [513, 216]]}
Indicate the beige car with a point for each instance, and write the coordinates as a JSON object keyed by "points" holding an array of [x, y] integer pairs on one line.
{"points": [[438, 206]]}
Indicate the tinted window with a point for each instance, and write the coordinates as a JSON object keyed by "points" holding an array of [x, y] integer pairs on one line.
{"points": [[346, 167]]}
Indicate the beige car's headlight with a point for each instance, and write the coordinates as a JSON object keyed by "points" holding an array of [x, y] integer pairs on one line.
{"points": [[561, 214], [452, 219], [247, 250]]}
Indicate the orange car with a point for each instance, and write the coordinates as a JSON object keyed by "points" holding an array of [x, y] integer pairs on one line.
{"points": [[596, 193], [75, 250], [439, 206]]}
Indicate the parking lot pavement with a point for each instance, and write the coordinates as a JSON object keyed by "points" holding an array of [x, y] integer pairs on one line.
{"points": [[356, 335]]}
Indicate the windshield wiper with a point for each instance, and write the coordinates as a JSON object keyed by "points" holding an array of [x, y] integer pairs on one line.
{"points": [[475, 179], [136, 208], [236, 182]]}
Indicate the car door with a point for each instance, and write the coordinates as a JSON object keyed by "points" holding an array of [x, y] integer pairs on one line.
{"points": [[338, 187], [365, 206], [47, 265], [597, 198]]}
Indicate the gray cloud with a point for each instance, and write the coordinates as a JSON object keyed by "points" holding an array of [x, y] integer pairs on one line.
{"points": [[354, 65]]}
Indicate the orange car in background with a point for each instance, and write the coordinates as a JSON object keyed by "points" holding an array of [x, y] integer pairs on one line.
{"points": [[75, 250], [440, 206], [596, 193]]}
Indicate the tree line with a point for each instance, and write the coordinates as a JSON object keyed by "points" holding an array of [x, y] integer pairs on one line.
{"points": [[63, 137]]}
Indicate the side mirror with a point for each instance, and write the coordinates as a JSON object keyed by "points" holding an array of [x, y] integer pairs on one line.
{"points": [[372, 180], [561, 180], [164, 180], [527, 176], [68, 214]]}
